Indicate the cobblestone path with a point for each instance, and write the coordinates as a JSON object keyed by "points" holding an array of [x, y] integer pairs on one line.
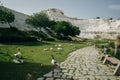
{"points": [[84, 64]]}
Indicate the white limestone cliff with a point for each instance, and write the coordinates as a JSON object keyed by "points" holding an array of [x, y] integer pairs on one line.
{"points": [[90, 28], [105, 28]]}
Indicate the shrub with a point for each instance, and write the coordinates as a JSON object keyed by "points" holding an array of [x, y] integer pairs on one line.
{"points": [[49, 39], [17, 39], [12, 34]]}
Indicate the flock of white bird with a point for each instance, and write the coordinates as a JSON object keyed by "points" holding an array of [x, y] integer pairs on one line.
{"points": [[58, 48]]}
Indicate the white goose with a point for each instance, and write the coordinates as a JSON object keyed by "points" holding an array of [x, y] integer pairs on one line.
{"points": [[53, 61]]}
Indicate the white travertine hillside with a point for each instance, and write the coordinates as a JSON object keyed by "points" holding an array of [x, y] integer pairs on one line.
{"points": [[105, 28], [90, 28]]}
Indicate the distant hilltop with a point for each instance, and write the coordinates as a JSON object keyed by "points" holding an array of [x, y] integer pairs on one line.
{"points": [[90, 28]]}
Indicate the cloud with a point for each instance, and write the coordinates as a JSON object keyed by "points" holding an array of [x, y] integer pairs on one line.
{"points": [[114, 6]]}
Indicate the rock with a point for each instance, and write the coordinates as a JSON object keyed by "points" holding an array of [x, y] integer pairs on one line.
{"points": [[90, 28]]}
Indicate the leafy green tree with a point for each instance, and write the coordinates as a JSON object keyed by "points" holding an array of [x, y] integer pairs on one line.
{"points": [[38, 20], [6, 16], [63, 28], [2, 16], [9, 18], [75, 31]]}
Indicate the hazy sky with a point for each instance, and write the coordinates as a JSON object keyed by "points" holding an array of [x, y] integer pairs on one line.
{"points": [[71, 8]]}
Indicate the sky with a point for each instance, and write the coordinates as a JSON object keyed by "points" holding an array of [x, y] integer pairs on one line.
{"points": [[82, 9]]}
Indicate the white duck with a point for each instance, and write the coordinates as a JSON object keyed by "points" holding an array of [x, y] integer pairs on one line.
{"points": [[53, 61]]}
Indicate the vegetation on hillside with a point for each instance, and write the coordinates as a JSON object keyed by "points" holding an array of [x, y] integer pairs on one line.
{"points": [[47, 29], [62, 29], [65, 29], [6, 16], [38, 20], [12, 34]]}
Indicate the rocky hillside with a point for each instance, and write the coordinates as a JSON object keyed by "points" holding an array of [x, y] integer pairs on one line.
{"points": [[90, 28], [19, 21]]}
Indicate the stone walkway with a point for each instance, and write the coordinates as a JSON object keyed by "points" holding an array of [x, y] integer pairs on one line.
{"points": [[83, 64]]}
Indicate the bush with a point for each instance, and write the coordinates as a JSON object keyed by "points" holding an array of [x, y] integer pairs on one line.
{"points": [[64, 38], [49, 39], [12, 34], [16, 39]]}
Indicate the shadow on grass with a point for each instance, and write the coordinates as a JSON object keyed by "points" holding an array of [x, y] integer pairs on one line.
{"points": [[27, 43], [5, 57], [12, 71]]}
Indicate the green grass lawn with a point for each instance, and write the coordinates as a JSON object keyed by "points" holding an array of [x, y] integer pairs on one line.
{"points": [[37, 60]]}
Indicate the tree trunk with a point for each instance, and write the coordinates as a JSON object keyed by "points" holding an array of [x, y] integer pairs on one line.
{"points": [[9, 24], [40, 31]]}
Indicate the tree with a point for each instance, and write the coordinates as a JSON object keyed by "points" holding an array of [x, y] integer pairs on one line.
{"points": [[38, 20], [2, 16], [6, 16], [9, 18], [63, 28], [75, 31]]}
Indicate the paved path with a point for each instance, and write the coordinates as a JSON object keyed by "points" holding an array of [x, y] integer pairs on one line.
{"points": [[84, 64]]}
